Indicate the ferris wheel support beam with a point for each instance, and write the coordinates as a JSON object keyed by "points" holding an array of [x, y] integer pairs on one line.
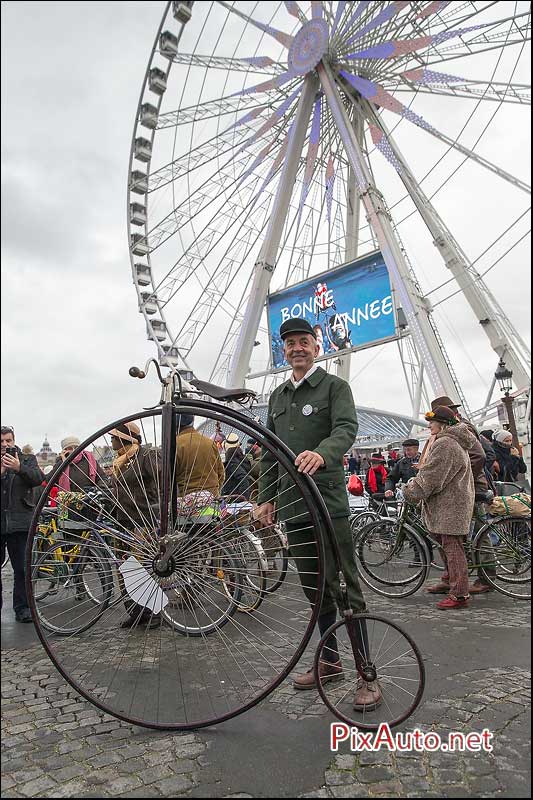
{"points": [[503, 337], [353, 216], [266, 262], [414, 305]]}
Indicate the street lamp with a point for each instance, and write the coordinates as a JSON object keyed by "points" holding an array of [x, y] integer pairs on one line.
{"points": [[504, 377]]}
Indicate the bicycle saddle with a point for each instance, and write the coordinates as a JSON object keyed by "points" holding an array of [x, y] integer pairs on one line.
{"points": [[222, 392]]}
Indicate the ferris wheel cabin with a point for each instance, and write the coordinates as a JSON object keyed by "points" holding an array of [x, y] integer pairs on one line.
{"points": [[142, 274], [142, 149]]}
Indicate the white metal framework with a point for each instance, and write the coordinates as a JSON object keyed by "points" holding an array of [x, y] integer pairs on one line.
{"points": [[259, 170]]}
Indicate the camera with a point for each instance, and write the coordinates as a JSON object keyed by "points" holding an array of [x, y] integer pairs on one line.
{"points": [[12, 451]]}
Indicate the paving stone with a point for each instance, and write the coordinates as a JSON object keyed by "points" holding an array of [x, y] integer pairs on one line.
{"points": [[338, 778], [170, 786], [37, 788], [374, 774]]}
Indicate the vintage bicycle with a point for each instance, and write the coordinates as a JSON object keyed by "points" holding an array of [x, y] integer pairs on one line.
{"points": [[394, 557], [201, 662]]}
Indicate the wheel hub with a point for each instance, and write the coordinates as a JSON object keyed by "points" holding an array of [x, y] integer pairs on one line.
{"points": [[309, 46], [369, 673], [164, 571]]}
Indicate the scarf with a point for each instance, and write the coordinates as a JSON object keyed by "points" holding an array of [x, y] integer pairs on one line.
{"points": [[372, 477], [427, 447], [64, 480], [123, 457]]}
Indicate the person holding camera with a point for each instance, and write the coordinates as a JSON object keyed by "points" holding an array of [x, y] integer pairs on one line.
{"points": [[20, 474]]}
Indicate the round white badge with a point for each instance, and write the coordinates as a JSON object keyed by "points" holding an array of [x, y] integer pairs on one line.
{"points": [[306, 410]]}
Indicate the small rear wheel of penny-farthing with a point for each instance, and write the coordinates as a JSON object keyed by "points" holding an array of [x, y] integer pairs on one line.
{"points": [[377, 657]]}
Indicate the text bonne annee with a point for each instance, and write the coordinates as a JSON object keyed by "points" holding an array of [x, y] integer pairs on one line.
{"points": [[372, 310]]}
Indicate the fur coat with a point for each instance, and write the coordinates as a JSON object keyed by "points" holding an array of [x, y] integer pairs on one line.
{"points": [[445, 485]]}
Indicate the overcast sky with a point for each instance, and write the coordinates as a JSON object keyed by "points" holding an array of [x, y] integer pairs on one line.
{"points": [[71, 76]]}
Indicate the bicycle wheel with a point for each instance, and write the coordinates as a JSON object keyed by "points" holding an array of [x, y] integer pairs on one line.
{"points": [[361, 520], [371, 649], [208, 589], [170, 651], [276, 548], [391, 563], [60, 606], [252, 562], [502, 550]]}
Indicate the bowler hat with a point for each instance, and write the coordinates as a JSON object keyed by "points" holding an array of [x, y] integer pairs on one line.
{"points": [[296, 325], [441, 414], [377, 457], [444, 401]]}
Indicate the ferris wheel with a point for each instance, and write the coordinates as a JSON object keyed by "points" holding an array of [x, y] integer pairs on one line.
{"points": [[265, 143]]}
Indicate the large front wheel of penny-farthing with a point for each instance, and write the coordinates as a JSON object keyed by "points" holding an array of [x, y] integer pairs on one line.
{"points": [[377, 657], [172, 646]]}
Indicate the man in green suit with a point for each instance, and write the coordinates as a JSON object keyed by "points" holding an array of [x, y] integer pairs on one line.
{"points": [[314, 414]]}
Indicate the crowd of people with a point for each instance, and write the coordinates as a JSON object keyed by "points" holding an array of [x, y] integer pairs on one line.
{"points": [[313, 413]]}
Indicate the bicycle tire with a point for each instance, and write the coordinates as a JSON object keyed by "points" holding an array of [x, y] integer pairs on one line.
{"points": [[505, 564], [277, 574], [253, 568], [126, 674], [338, 698], [65, 615], [361, 520], [388, 558]]}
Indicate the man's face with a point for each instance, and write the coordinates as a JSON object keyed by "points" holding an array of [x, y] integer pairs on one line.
{"points": [[7, 440], [410, 451], [319, 336], [300, 350]]}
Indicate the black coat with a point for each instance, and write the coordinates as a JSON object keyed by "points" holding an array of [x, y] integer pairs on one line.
{"points": [[401, 471], [18, 499], [79, 475], [509, 465], [237, 468]]}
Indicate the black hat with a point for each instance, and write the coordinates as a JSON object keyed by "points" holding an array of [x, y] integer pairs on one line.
{"points": [[488, 434], [296, 325], [411, 443], [377, 457], [441, 414], [444, 401]]}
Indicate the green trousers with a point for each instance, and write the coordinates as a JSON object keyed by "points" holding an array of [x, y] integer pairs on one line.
{"points": [[303, 549]]}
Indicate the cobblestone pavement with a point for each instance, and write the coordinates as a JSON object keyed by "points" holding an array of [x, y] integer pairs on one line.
{"points": [[55, 744]]}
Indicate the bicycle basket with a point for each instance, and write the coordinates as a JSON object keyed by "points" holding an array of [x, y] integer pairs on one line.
{"points": [[76, 510], [516, 504]]}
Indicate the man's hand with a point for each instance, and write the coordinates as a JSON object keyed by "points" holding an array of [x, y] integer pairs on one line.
{"points": [[415, 466], [11, 462], [264, 514], [308, 462], [389, 493]]}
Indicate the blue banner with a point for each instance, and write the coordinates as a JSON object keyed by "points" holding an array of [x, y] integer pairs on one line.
{"points": [[349, 307]]}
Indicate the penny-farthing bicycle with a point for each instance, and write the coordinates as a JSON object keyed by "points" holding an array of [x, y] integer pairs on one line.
{"points": [[191, 659]]}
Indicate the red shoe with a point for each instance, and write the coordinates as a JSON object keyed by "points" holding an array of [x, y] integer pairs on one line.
{"points": [[452, 602]]}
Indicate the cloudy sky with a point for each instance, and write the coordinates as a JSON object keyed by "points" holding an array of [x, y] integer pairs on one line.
{"points": [[71, 76]]}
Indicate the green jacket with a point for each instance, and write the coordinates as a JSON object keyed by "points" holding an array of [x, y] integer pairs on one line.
{"points": [[329, 428]]}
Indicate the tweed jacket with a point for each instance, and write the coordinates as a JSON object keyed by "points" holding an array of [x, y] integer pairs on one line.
{"points": [[319, 415], [198, 463], [445, 484]]}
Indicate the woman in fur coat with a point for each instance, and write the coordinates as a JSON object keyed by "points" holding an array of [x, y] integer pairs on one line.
{"points": [[445, 488]]}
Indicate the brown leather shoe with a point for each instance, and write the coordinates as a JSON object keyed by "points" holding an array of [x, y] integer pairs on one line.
{"points": [[328, 672], [367, 695], [479, 588], [439, 588]]}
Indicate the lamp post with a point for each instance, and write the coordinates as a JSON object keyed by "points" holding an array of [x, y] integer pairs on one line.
{"points": [[504, 376]]}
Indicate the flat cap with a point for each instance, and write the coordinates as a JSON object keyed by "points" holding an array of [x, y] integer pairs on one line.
{"points": [[296, 325]]}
